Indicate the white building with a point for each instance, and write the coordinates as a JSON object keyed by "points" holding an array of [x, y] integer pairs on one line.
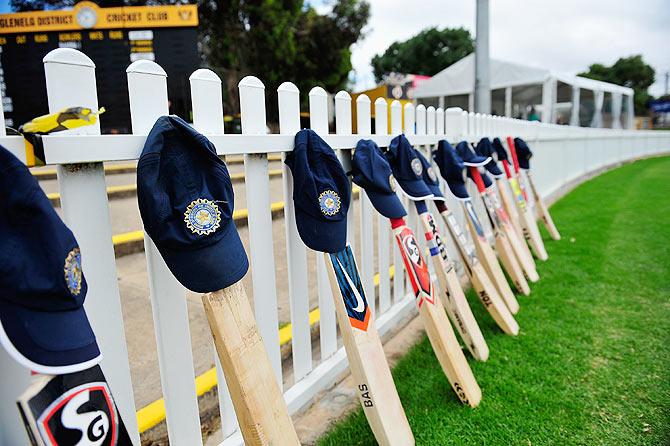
{"points": [[517, 90]]}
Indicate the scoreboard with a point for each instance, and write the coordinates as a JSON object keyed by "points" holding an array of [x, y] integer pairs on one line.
{"points": [[112, 38]]}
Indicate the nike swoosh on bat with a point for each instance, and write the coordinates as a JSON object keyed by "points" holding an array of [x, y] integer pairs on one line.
{"points": [[360, 304]]}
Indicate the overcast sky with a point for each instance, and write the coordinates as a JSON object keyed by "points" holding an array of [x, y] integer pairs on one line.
{"points": [[564, 36]]}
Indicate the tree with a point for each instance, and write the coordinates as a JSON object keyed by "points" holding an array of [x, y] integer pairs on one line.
{"points": [[429, 52], [276, 40], [630, 72]]}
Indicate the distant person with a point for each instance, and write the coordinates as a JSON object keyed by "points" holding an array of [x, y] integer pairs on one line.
{"points": [[532, 115]]}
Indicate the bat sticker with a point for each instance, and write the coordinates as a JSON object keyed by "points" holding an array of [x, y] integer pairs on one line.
{"points": [[351, 288], [493, 216], [435, 235], [462, 240], [416, 266], [517, 192], [85, 414], [473, 218]]}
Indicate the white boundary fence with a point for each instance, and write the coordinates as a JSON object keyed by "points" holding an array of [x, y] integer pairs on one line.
{"points": [[562, 154]]}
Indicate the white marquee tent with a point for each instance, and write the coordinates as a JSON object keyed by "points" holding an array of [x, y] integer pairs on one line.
{"points": [[516, 88]]}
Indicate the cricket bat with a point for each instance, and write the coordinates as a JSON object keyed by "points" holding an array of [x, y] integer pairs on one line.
{"points": [[486, 291], [72, 409], [501, 237], [542, 209], [528, 224], [488, 257], [454, 299], [259, 404], [441, 335], [369, 368], [519, 246], [526, 257]]}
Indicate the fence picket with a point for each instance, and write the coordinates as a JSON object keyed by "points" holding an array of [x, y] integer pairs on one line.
{"points": [[206, 98], [147, 89], [383, 225], [70, 77], [399, 275], [296, 252], [363, 125], [318, 120], [259, 221]]}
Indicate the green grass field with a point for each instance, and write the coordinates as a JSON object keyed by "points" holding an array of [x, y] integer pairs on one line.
{"points": [[591, 365]]}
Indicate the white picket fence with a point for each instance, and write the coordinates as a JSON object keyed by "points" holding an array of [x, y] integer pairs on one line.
{"points": [[562, 154]]}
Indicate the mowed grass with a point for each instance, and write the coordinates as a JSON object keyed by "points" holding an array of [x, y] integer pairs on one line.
{"points": [[591, 365]]}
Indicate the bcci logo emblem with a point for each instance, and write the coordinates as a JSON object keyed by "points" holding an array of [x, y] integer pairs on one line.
{"points": [[72, 270], [392, 183], [202, 216], [329, 202], [417, 167]]}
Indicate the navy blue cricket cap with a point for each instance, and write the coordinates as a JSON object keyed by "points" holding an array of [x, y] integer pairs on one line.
{"points": [[430, 178], [451, 168], [407, 169], [372, 172], [469, 157], [523, 153], [186, 202], [43, 325], [500, 149], [321, 193], [485, 148]]}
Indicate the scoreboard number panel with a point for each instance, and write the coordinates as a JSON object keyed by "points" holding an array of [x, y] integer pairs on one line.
{"points": [[112, 38]]}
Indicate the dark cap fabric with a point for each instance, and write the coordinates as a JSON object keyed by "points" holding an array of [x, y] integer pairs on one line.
{"points": [[430, 178], [485, 148], [469, 157], [43, 325], [186, 202], [372, 172], [321, 193], [407, 169], [523, 153], [451, 168], [500, 149]]}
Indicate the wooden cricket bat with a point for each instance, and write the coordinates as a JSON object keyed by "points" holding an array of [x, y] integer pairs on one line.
{"points": [[510, 207], [258, 401], [501, 237], [486, 291], [519, 245], [454, 299], [488, 257], [432, 313], [369, 368], [507, 200], [542, 208], [528, 224]]}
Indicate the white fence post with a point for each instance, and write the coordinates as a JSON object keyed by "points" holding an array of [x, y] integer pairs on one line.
{"points": [[399, 276], [259, 221], [70, 78], [207, 101], [318, 121], [364, 127], [147, 89], [296, 251], [383, 225], [343, 127]]}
